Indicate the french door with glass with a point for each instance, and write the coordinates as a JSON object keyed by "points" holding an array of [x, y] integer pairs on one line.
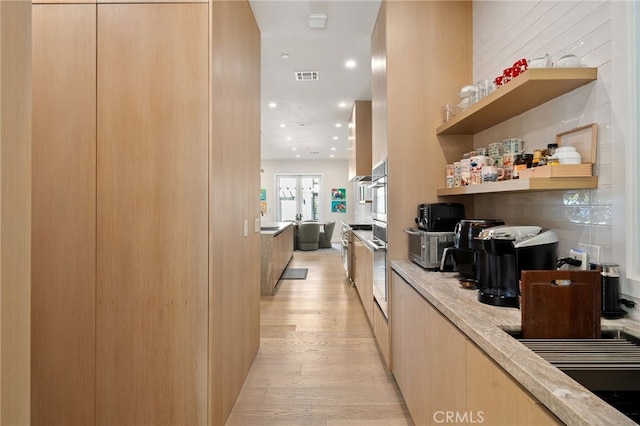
{"points": [[298, 197]]}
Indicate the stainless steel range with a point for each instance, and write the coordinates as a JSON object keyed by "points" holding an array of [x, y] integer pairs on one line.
{"points": [[346, 237]]}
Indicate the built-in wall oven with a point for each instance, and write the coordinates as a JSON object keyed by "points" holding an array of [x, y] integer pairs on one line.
{"points": [[379, 242]]}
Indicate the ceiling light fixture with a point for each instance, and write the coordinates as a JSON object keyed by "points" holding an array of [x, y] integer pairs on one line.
{"points": [[272, 104], [333, 148], [338, 125], [335, 138], [283, 125], [342, 104], [332, 156], [285, 56], [350, 63], [317, 20]]}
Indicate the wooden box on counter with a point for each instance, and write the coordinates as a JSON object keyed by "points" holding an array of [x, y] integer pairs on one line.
{"points": [[551, 310]]}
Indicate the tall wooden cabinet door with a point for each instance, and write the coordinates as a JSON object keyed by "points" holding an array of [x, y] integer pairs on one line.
{"points": [[446, 371], [63, 214], [152, 287], [379, 87], [409, 347]]}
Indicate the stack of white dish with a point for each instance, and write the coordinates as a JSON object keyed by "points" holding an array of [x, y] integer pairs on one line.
{"points": [[567, 155]]}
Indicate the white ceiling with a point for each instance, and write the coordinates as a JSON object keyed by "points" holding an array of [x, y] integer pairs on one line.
{"points": [[309, 109]]}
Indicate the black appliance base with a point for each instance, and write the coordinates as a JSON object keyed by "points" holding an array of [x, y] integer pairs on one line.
{"points": [[614, 314], [497, 297]]}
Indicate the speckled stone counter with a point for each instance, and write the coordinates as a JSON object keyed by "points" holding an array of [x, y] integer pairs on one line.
{"points": [[485, 325], [365, 237]]}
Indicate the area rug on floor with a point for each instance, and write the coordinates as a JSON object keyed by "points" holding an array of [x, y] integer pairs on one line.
{"points": [[294, 274]]}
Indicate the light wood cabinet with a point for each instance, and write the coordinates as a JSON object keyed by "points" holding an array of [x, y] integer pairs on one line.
{"points": [[360, 140], [145, 293], [494, 395], [414, 73], [15, 211], [63, 294], [439, 370], [152, 144], [379, 88], [409, 347], [381, 331], [428, 355], [276, 252], [364, 276]]}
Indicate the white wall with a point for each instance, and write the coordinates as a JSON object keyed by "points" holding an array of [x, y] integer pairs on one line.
{"points": [[334, 175], [504, 32]]}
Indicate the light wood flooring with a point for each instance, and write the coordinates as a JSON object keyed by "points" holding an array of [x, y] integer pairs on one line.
{"points": [[318, 362]]}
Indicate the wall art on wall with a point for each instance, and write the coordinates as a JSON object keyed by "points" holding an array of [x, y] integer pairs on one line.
{"points": [[338, 194], [263, 201], [338, 206]]}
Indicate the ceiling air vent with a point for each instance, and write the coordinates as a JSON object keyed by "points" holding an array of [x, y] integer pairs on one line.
{"points": [[307, 75]]}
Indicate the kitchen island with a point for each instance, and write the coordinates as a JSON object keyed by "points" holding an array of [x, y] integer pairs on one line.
{"points": [[480, 358], [276, 250]]}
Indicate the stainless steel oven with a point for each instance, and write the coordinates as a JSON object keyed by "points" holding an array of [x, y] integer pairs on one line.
{"points": [[380, 286], [379, 242], [379, 192]]}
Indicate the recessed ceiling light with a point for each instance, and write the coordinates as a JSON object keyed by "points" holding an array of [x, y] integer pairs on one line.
{"points": [[297, 155], [333, 148], [272, 104], [285, 56], [332, 156], [335, 138], [342, 104], [288, 138], [350, 63], [338, 125], [283, 125], [293, 149]]}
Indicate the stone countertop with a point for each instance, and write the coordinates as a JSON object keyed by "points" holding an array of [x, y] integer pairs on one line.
{"points": [[365, 237], [274, 228], [485, 325]]}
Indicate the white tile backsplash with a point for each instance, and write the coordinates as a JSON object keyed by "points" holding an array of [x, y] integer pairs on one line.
{"points": [[507, 31]]}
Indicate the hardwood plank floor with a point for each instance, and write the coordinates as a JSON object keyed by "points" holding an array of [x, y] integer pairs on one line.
{"points": [[318, 362]]}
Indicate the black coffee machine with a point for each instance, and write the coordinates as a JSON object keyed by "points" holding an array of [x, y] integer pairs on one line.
{"points": [[503, 252], [462, 254]]}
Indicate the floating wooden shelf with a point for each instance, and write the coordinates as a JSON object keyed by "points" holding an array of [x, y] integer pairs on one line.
{"points": [[530, 89], [533, 184]]}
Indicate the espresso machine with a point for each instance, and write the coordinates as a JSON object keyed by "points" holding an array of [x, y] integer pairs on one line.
{"points": [[503, 252], [462, 254]]}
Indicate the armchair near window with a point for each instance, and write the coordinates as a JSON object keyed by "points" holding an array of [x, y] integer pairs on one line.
{"points": [[324, 240], [308, 236]]}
